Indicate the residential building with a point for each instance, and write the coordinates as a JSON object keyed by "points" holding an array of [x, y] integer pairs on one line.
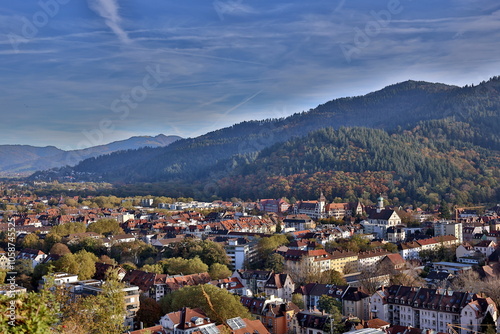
{"points": [[35, 256], [255, 280], [380, 219], [275, 313], [453, 228], [302, 262], [188, 321], [281, 286], [430, 309], [241, 252], [343, 261], [299, 222], [306, 322]]}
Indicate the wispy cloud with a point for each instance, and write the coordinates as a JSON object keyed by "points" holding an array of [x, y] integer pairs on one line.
{"points": [[108, 9]]}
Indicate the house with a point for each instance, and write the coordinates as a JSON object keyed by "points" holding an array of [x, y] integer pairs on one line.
{"points": [[370, 259], [393, 261], [33, 255], [275, 313], [299, 222], [396, 233], [12, 289], [302, 262], [380, 219], [485, 247], [255, 280], [281, 286], [4, 261], [187, 321], [233, 285], [313, 209], [242, 326], [155, 285]]}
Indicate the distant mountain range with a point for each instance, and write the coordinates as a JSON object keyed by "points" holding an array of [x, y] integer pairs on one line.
{"points": [[434, 142], [26, 159]]}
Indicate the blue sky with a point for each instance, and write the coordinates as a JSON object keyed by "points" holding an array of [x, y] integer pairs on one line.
{"points": [[79, 73]]}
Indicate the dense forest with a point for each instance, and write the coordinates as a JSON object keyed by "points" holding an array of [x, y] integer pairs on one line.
{"points": [[413, 141]]}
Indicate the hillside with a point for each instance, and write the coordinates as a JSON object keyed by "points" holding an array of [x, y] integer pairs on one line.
{"points": [[25, 159], [351, 163], [470, 116]]}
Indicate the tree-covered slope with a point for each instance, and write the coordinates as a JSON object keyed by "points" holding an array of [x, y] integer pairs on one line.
{"points": [[469, 115], [356, 162]]}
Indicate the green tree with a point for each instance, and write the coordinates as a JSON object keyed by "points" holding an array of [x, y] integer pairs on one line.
{"points": [[217, 303], [105, 227], [153, 268], [32, 241], [178, 265], [208, 251], [298, 300], [50, 240], [81, 264], [218, 271], [333, 308], [35, 313], [390, 247], [275, 262]]}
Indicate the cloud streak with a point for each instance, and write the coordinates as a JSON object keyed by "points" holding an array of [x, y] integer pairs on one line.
{"points": [[108, 10]]}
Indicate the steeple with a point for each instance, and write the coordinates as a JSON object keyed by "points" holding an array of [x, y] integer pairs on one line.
{"points": [[380, 203]]}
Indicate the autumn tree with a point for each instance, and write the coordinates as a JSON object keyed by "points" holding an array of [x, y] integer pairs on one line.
{"points": [[149, 312], [59, 249]]}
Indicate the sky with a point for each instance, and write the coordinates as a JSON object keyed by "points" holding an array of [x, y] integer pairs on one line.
{"points": [[80, 73]]}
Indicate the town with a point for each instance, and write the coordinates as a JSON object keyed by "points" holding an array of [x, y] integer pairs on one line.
{"points": [[105, 264]]}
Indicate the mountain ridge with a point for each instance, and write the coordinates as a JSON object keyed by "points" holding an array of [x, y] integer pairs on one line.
{"points": [[16, 159], [211, 157]]}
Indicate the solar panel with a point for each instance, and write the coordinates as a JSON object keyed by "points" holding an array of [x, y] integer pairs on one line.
{"points": [[212, 329], [236, 323]]}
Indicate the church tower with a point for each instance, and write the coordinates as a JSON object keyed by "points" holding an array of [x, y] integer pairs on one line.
{"points": [[321, 206], [380, 204]]}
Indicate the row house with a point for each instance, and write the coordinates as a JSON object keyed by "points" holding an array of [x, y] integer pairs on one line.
{"points": [[431, 309], [410, 250]]}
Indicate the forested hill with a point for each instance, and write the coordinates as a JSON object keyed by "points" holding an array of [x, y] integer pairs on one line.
{"points": [[424, 164], [471, 114]]}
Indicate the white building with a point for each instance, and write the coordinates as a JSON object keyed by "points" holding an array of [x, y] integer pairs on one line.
{"points": [[443, 228]]}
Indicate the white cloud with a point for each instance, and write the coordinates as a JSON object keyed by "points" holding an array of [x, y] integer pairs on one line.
{"points": [[108, 9]]}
